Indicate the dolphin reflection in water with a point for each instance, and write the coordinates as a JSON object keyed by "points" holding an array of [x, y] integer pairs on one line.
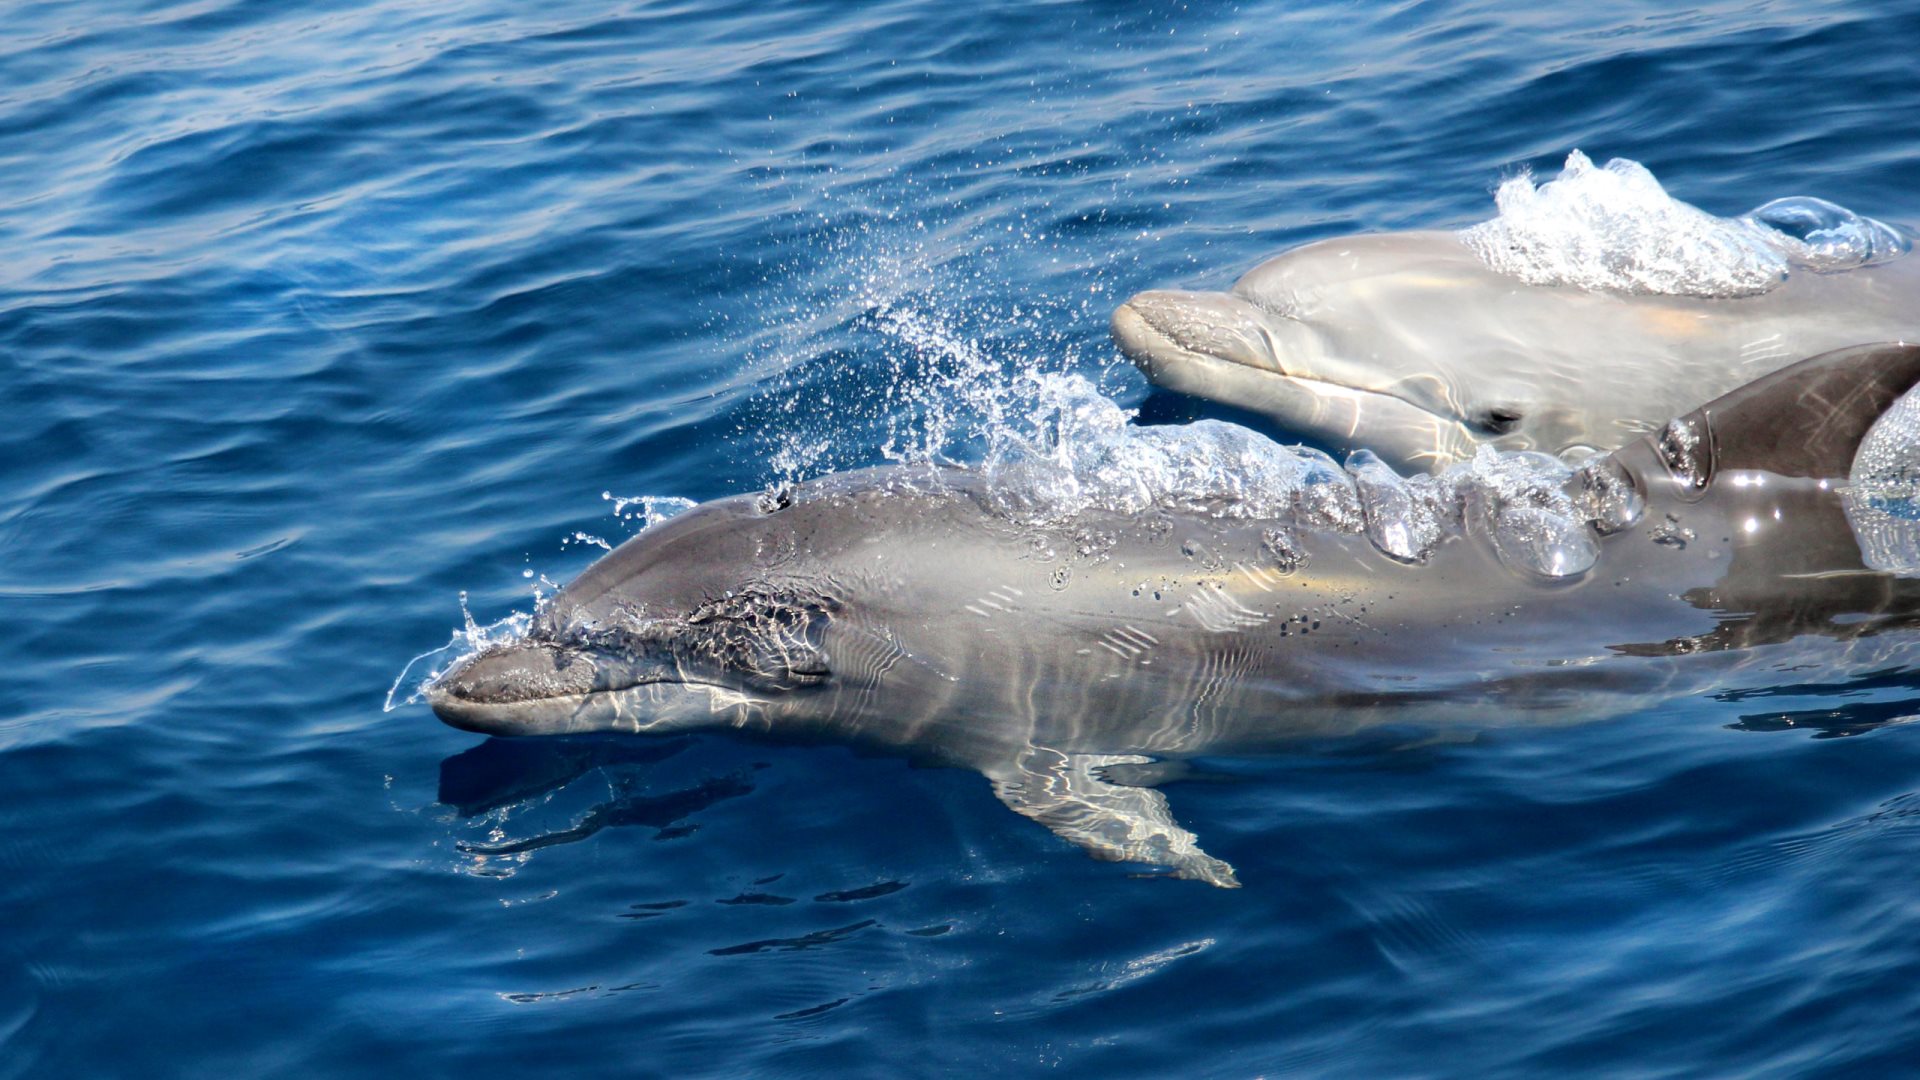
{"points": [[926, 611]]}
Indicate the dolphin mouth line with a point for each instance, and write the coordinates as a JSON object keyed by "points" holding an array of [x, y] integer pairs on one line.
{"points": [[1397, 428], [1130, 321], [527, 709], [446, 687], [575, 663]]}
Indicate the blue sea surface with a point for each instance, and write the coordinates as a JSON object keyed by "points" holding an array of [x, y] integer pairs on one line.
{"points": [[317, 317]]}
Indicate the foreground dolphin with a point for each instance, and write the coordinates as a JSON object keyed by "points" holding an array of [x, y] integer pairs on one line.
{"points": [[1412, 345], [908, 609]]}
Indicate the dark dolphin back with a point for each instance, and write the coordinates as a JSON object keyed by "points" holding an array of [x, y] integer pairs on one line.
{"points": [[1757, 475], [1806, 420]]}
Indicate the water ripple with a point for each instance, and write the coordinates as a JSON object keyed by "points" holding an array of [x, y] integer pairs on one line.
{"points": [[317, 315]]}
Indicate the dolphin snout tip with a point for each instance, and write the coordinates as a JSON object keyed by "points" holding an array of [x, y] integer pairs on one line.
{"points": [[1134, 335], [1147, 326], [1163, 328], [1156, 308], [483, 691]]}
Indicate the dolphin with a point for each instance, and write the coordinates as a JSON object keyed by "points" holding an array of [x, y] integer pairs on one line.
{"points": [[1411, 345], [905, 608]]}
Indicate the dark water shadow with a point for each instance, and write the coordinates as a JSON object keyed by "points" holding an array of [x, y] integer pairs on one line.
{"points": [[803, 942], [500, 772], [1898, 678], [1857, 718], [1891, 696], [664, 812]]}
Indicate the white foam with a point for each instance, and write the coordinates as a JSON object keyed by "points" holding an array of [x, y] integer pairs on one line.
{"points": [[1882, 497], [1615, 228], [1080, 453]]}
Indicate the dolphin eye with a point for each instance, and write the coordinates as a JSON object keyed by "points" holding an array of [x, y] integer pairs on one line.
{"points": [[1500, 419]]}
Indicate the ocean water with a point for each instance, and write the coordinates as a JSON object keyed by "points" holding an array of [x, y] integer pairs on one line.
{"points": [[319, 321]]}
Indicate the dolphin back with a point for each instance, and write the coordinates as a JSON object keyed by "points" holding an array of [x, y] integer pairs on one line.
{"points": [[1807, 420]]}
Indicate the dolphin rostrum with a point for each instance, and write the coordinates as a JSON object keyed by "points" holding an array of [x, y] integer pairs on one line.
{"points": [[909, 608], [1412, 345]]}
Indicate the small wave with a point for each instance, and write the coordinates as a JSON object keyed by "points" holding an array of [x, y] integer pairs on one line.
{"points": [[1615, 228]]}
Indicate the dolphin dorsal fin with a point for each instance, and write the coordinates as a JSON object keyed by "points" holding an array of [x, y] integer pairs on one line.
{"points": [[1803, 420]]}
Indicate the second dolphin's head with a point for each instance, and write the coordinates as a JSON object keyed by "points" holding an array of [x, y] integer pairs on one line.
{"points": [[1405, 344], [1221, 347]]}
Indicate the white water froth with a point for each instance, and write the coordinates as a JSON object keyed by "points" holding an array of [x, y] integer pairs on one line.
{"points": [[1882, 497], [1081, 453], [1615, 228]]}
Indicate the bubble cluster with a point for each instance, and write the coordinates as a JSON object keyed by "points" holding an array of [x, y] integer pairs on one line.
{"points": [[1080, 453], [1882, 496], [1615, 228]]}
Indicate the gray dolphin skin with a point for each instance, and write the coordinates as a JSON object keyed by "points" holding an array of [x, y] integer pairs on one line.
{"points": [[1409, 345], [897, 608]]}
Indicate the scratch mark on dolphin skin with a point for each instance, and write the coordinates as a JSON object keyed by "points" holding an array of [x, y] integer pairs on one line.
{"points": [[1004, 599], [1129, 642], [1000, 600], [1770, 347], [1338, 610], [1263, 579], [1218, 612]]}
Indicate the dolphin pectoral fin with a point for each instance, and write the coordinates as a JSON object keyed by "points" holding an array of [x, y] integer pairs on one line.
{"points": [[1111, 821]]}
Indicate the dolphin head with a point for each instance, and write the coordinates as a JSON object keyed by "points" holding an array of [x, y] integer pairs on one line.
{"points": [[707, 620], [1382, 342], [1224, 347]]}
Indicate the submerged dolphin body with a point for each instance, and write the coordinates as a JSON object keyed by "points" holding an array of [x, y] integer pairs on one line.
{"points": [[903, 608], [1410, 345]]}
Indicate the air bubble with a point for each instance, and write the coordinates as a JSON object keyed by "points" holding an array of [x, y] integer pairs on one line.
{"points": [[1400, 519], [1882, 496], [1544, 543]]}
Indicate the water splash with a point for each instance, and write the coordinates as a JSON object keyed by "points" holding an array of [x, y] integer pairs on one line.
{"points": [[637, 514], [1826, 236], [912, 352], [642, 512], [468, 639], [1615, 228], [1078, 452]]}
